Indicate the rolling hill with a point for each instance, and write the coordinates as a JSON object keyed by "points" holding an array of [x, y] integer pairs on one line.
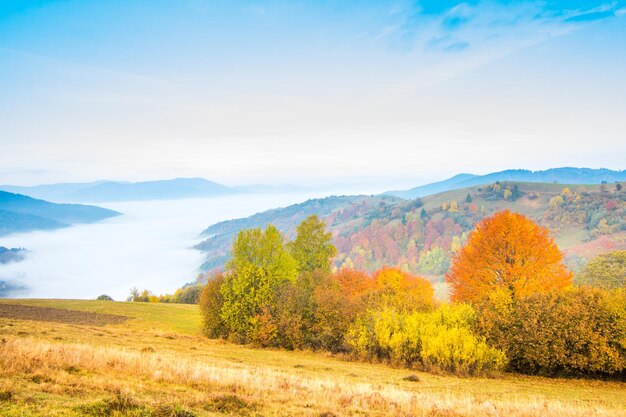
{"points": [[554, 175], [19, 213], [421, 235]]}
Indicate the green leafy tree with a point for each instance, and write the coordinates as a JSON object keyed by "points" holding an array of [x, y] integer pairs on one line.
{"points": [[607, 271], [104, 297], [515, 193], [468, 198], [258, 267], [312, 248], [434, 262]]}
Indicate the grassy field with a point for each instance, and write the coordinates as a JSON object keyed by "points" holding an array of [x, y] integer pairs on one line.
{"points": [[155, 363]]}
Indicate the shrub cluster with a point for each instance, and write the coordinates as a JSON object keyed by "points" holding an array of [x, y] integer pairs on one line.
{"points": [[439, 340], [187, 295], [581, 331], [104, 297], [285, 295], [314, 311]]}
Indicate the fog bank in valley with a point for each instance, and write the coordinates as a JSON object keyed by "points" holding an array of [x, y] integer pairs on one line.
{"points": [[147, 247]]}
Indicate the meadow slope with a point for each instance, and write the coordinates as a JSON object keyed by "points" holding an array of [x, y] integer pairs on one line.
{"points": [[153, 362]]}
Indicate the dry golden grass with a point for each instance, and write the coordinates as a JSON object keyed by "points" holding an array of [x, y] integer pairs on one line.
{"points": [[56, 369]]}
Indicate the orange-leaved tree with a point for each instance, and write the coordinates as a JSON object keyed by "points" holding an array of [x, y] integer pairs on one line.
{"points": [[354, 284], [507, 252]]}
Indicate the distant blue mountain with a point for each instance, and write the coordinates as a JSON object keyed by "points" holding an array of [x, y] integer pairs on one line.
{"points": [[50, 192], [19, 213], [433, 188], [151, 190], [560, 175], [102, 191], [11, 222]]}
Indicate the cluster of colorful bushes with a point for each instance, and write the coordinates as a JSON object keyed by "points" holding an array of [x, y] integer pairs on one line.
{"points": [[579, 331], [189, 294], [602, 212], [513, 306]]}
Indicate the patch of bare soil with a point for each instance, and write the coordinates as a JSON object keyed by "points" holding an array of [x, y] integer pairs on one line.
{"points": [[87, 318]]}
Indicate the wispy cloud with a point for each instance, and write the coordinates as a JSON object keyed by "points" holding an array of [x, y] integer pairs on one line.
{"points": [[47, 60], [484, 23], [448, 38]]}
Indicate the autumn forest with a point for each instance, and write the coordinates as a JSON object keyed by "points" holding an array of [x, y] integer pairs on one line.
{"points": [[505, 275]]}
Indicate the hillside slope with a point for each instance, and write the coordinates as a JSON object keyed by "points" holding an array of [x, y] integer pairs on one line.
{"points": [[19, 213], [421, 235], [11, 222]]}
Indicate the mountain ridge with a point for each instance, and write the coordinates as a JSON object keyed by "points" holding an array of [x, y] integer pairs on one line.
{"points": [[169, 189], [562, 175], [21, 213]]}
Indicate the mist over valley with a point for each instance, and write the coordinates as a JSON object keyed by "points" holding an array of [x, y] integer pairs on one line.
{"points": [[149, 246]]}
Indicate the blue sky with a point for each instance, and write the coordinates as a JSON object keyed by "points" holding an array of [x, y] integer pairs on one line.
{"points": [[308, 92]]}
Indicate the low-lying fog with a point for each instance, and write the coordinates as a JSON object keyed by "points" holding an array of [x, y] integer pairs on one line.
{"points": [[148, 247]]}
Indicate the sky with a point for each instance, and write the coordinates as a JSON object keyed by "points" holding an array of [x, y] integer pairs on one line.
{"points": [[308, 92]]}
